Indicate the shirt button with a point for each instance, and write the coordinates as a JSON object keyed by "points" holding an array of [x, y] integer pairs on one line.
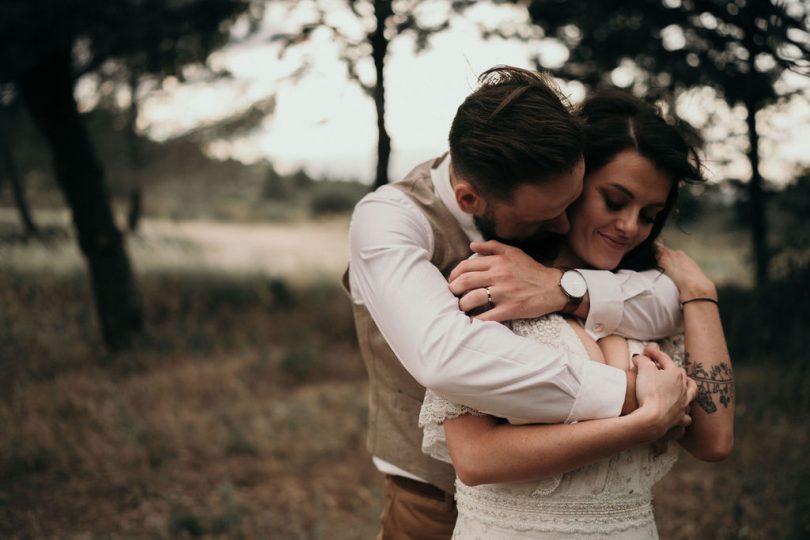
{"points": [[598, 327]]}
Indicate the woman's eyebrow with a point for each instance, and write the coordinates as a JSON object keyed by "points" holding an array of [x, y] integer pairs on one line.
{"points": [[623, 189], [632, 195]]}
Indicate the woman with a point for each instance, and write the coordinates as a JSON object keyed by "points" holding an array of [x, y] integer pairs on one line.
{"points": [[544, 481]]}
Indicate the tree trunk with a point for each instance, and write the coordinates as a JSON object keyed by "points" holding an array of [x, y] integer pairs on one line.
{"points": [[47, 89], [10, 170], [379, 47], [133, 144], [756, 196]]}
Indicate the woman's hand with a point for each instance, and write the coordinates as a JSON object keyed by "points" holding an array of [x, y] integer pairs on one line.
{"points": [[685, 272]]}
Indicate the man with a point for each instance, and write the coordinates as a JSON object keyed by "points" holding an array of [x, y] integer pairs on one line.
{"points": [[515, 164]]}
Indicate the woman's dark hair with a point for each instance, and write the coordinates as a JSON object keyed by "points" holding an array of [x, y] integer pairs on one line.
{"points": [[616, 121], [516, 128]]}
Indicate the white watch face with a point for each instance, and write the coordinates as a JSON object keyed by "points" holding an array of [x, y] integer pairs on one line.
{"points": [[574, 284]]}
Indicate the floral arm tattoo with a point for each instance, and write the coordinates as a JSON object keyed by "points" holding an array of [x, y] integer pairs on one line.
{"points": [[718, 380]]}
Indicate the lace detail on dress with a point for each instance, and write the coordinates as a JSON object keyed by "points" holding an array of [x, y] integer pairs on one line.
{"points": [[547, 486], [510, 510], [435, 410], [551, 330]]}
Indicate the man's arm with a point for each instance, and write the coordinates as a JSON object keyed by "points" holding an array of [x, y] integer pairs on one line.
{"points": [[486, 451], [477, 363], [641, 305]]}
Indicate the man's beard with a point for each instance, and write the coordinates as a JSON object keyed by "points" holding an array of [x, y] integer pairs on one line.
{"points": [[541, 246]]}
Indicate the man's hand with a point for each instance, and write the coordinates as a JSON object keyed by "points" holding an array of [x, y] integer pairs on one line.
{"points": [[520, 287], [663, 394]]}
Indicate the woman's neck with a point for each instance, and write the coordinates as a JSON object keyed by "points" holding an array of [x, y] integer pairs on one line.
{"points": [[566, 258]]}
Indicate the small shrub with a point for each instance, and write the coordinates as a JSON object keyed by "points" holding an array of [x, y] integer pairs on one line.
{"points": [[188, 523], [283, 296], [769, 322], [331, 203], [299, 362], [276, 187]]}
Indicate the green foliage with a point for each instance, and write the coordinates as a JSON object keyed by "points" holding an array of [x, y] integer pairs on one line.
{"points": [[275, 186], [162, 36], [690, 206], [738, 48], [794, 204], [769, 322], [331, 197], [300, 180], [180, 181], [331, 203], [283, 296]]}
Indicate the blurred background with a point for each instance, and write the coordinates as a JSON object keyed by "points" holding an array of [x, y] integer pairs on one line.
{"points": [[176, 180]]}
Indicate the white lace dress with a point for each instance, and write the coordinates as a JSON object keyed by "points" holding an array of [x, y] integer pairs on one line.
{"points": [[607, 499]]}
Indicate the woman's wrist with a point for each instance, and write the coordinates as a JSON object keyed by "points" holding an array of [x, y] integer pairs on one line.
{"points": [[702, 289], [646, 424]]}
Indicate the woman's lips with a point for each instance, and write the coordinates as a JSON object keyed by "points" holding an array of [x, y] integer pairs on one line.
{"points": [[615, 243]]}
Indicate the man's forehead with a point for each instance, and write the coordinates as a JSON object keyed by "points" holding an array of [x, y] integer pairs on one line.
{"points": [[552, 196]]}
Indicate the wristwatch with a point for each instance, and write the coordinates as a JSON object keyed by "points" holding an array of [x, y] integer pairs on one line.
{"points": [[574, 287]]}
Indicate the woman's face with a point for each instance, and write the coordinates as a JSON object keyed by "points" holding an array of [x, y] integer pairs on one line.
{"points": [[617, 209]]}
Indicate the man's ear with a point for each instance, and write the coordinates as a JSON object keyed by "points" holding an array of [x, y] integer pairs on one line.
{"points": [[468, 198]]}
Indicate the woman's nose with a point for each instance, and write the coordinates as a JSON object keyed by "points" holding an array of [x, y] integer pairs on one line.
{"points": [[628, 224]]}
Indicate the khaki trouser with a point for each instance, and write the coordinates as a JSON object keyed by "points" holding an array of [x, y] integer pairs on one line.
{"points": [[413, 510]]}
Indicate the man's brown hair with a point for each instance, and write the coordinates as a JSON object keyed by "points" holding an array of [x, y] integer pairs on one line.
{"points": [[516, 128]]}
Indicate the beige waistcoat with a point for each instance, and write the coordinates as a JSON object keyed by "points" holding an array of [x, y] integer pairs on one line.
{"points": [[394, 396]]}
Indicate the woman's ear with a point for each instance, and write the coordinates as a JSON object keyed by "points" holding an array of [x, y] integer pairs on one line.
{"points": [[468, 198]]}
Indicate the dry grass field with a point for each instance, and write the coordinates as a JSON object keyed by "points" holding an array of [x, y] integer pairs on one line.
{"points": [[242, 412]]}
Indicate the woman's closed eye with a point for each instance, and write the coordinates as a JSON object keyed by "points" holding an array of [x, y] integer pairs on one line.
{"points": [[647, 218], [614, 205]]}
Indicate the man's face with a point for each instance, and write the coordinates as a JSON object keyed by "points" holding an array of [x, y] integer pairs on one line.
{"points": [[532, 210]]}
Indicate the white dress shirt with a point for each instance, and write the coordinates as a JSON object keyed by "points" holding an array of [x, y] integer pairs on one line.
{"points": [[483, 364]]}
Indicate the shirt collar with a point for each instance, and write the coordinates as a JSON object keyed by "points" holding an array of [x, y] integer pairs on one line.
{"points": [[444, 191]]}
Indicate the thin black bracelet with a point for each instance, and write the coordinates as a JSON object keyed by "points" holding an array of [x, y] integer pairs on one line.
{"points": [[701, 299]]}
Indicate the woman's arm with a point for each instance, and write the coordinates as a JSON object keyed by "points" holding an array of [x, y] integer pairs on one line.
{"points": [[615, 350], [711, 435], [485, 451]]}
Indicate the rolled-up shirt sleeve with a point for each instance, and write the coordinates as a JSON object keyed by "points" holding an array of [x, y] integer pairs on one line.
{"points": [[480, 364], [639, 305]]}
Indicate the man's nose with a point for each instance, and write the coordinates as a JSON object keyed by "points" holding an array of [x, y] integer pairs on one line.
{"points": [[559, 225]]}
